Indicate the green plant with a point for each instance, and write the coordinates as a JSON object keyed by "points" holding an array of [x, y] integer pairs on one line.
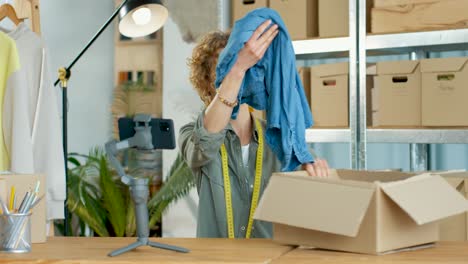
{"points": [[97, 198], [179, 182]]}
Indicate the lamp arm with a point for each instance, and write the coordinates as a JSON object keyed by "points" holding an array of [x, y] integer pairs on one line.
{"points": [[116, 12]]}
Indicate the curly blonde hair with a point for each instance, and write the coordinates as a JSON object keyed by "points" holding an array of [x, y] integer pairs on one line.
{"points": [[203, 63]]}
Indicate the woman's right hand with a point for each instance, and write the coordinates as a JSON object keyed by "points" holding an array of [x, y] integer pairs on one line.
{"points": [[218, 114], [256, 46]]}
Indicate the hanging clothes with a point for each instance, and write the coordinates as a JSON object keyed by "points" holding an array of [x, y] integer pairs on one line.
{"points": [[9, 63], [32, 123]]}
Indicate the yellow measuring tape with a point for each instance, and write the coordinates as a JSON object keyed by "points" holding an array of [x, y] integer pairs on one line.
{"points": [[257, 184]]}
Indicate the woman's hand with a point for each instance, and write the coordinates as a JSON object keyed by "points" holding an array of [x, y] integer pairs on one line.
{"points": [[317, 169], [256, 46], [217, 114]]}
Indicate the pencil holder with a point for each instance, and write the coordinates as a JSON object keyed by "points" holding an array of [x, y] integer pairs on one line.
{"points": [[15, 233]]}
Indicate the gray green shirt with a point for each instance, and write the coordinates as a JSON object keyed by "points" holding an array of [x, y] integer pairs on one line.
{"points": [[201, 151]]}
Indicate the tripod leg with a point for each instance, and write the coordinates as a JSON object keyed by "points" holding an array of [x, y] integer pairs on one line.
{"points": [[168, 247], [126, 249]]}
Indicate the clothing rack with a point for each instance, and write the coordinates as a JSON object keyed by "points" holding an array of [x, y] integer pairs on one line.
{"points": [[29, 10]]}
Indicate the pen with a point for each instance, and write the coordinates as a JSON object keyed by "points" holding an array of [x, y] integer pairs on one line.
{"points": [[23, 203], [36, 190], [12, 198], [28, 203], [36, 201], [3, 207]]}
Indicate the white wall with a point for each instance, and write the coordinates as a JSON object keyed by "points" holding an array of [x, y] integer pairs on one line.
{"points": [[67, 25], [180, 103]]}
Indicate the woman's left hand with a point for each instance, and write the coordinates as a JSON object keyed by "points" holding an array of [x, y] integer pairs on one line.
{"points": [[317, 169]]}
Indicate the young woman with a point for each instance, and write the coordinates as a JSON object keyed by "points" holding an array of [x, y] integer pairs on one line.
{"points": [[229, 158]]}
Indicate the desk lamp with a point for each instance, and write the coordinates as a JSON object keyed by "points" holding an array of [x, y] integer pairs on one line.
{"points": [[138, 18]]}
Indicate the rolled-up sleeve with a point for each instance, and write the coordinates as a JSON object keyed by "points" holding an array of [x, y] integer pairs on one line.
{"points": [[197, 145]]}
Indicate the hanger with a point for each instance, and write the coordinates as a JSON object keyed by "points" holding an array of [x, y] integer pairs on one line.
{"points": [[7, 11]]}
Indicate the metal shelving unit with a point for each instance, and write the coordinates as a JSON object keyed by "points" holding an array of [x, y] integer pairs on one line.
{"points": [[358, 46]]}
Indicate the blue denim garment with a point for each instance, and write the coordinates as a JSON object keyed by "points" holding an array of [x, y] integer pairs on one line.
{"points": [[273, 84]]}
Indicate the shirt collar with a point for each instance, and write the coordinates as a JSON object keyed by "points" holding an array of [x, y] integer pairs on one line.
{"points": [[255, 132]]}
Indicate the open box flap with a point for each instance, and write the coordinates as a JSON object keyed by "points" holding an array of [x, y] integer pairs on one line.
{"points": [[426, 198]]}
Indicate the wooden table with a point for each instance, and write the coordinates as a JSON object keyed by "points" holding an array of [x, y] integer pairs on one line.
{"points": [[77, 250], [442, 253]]}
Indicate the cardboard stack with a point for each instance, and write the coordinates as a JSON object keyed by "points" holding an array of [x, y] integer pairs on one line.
{"points": [[418, 15], [358, 211], [329, 95]]}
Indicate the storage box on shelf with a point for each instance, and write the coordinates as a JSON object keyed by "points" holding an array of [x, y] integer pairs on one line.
{"points": [[397, 94], [241, 7], [304, 75], [445, 92], [371, 73], [387, 3], [365, 212], [329, 95], [333, 18], [300, 17], [418, 15]]}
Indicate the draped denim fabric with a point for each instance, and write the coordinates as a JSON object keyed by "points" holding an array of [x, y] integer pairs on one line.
{"points": [[273, 84]]}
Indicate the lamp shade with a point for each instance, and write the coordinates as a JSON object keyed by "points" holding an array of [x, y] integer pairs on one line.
{"points": [[139, 18]]}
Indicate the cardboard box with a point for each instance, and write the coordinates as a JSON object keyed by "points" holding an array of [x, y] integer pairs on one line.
{"points": [[358, 211], [398, 94], [300, 17], [304, 75], [413, 15], [371, 72], [24, 183], [240, 8], [445, 92], [455, 228], [329, 95], [387, 3], [334, 18]]}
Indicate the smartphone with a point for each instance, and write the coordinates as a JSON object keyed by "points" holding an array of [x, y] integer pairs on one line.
{"points": [[162, 131]]}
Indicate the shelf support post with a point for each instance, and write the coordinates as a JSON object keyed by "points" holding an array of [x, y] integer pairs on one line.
{"points": [[419, 153], [357, 84]]}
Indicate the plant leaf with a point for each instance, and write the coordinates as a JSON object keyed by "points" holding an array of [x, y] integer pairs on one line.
{"points": [[90, 217], [113, 199], [179, 182]]}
